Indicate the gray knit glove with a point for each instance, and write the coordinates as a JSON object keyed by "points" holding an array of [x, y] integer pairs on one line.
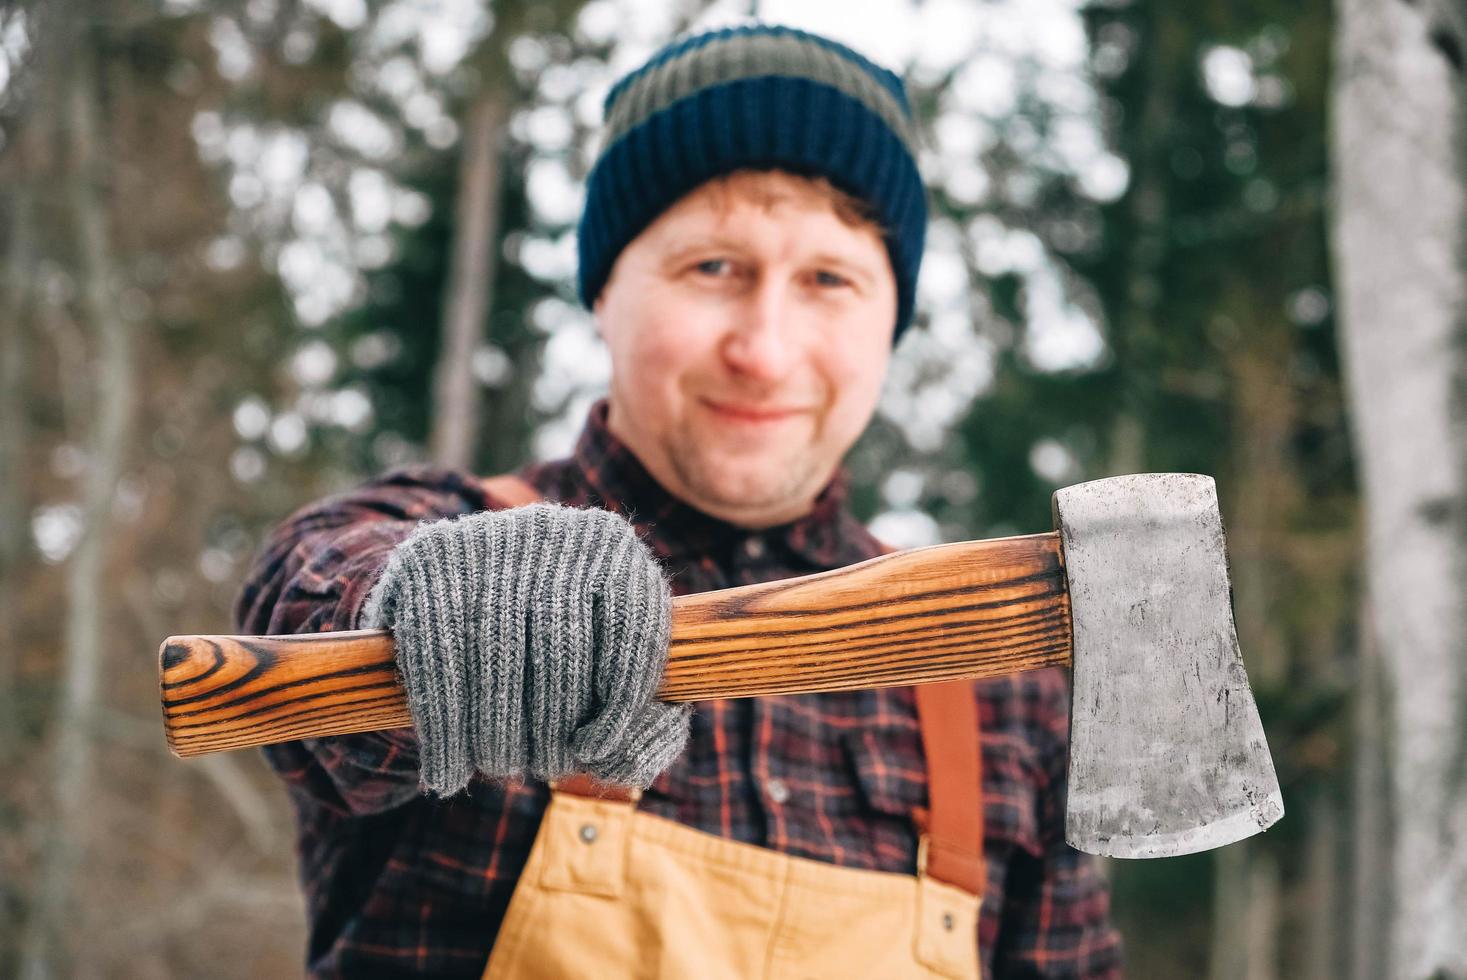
{"points": [[531, 642]]}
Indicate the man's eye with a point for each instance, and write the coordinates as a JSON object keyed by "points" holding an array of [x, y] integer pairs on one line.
{"points": [[829, 278], [712, 267]]}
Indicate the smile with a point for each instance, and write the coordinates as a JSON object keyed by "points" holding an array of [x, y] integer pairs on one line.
{"points": [[749, 415]]}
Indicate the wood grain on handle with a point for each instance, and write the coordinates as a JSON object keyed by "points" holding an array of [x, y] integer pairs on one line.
{"points": [[973, 609]]}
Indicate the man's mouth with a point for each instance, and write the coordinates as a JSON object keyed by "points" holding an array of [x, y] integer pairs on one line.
{"points": [[750, 414]]}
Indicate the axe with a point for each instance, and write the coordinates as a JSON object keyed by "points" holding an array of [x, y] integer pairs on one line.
{"points": [[1167, 754]]}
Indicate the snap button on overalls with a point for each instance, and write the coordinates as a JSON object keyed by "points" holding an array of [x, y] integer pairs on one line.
{"points": [[609, 891]]}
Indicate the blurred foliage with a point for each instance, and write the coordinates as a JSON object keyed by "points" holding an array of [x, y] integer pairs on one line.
{"points": [[1213, 274]]}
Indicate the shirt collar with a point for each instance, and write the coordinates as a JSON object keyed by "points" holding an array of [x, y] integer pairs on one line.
{"points": [[829, 536]]}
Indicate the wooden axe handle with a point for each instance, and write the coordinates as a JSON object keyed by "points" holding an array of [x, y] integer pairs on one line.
{"points": [[971, 609]]}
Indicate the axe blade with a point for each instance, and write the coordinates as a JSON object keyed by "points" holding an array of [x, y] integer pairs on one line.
{"points": [[1167, 754]]}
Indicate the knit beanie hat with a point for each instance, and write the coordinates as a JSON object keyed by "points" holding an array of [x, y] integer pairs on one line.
{"points": [[754, 97]]}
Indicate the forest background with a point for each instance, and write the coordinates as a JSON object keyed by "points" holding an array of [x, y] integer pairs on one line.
{"points": [[257, 251]]}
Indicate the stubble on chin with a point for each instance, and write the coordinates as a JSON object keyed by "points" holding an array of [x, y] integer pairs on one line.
{"points": [[765, 481]]}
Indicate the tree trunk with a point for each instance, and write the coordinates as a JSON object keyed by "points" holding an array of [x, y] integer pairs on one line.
{"points": [[1318, 955], [470, 280], [15, 319], [1264, 492], [70, 765], [1370, 858], [1228, 957], [1398, 250]]}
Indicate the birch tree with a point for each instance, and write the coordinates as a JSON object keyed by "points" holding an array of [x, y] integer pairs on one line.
{"points": [[1397, 149]]}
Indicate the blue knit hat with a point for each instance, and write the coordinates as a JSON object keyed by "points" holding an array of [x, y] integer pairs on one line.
{"points": [[754, 97]]}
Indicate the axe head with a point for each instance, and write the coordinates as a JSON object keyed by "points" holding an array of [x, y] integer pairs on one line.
{"points": [[1167, 755]]}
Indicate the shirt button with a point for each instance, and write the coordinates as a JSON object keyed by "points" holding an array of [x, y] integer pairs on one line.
{"points": [[754, 548], [777, 790], [588, 833]]}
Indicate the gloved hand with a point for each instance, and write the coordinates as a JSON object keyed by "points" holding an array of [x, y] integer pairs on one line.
{"points": [[531, 642]]}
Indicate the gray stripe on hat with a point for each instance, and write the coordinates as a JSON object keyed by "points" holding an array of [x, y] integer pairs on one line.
{"points": [[743, 56]]}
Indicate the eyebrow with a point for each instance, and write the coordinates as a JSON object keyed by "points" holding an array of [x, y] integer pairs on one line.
{"points": [[681, 248]]}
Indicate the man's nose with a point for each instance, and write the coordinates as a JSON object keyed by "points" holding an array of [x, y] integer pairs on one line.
{"points": [[760, 343]]}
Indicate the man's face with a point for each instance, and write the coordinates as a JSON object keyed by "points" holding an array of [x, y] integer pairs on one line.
{"points": [[749, 336]]}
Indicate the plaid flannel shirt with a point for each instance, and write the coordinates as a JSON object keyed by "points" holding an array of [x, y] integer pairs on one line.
{"points": [[398, 883]]}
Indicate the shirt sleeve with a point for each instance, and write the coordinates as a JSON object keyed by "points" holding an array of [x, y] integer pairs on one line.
{"points": [[1056, 921], [313, 575]]}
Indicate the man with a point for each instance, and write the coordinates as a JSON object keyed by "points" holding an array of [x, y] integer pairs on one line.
{"points": [[750, 245]]}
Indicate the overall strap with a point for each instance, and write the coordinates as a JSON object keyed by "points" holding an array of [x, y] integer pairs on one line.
{"points": [[951, 850], [950, 845]]}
